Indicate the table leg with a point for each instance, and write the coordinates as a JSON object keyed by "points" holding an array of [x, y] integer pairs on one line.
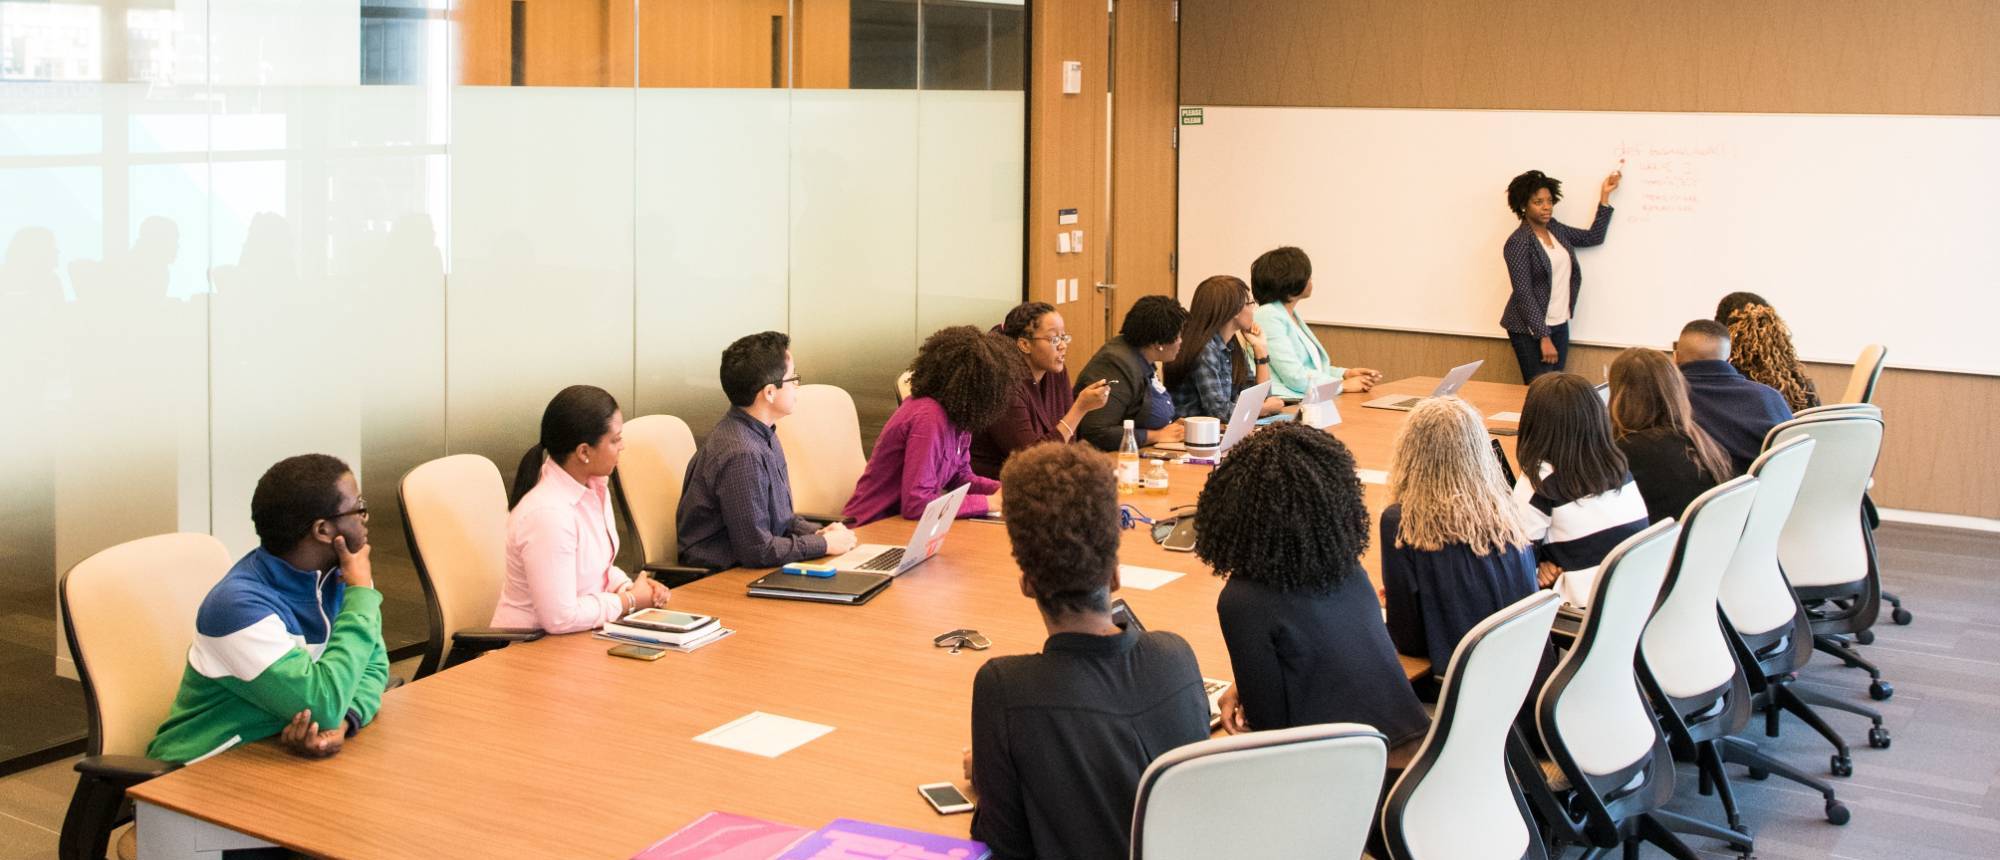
{"points": [[168, 835]]}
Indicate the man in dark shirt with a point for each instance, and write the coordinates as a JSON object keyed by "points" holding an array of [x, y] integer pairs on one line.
{"points": [[736, 503], [1060, 738], [1734, 410]]}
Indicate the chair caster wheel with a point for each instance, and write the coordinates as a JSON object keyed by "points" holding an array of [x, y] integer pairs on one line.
{"points": [[1759, 774], [1901, 616], [1865, 637], [1836, 812], [1842, 766], [1878, 737], [1880, 690]]}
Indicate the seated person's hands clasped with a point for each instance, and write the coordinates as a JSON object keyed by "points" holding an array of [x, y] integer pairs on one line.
{"points": [[1232, 712], [1174, 432], [1547, 573], [1360, 379], [839, 538], [644, 593], [303, 738]]}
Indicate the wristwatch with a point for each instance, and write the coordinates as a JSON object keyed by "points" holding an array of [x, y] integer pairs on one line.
{"points": [[1263, 360]]}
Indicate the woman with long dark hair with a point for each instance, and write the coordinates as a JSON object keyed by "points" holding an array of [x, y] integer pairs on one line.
{"points": [[561, 538], [1213, 366], [1671, 458], [1575, 496]]}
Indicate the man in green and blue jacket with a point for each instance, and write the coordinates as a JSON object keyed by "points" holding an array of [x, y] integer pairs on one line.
{"points": [[290, 641]]}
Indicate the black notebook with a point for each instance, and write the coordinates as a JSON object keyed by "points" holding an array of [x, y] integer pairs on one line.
{"points": [[843, 587]]}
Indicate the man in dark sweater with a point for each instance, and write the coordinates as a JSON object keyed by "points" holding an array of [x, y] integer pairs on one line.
{"points": [[1060, 738], [1734, 410]]}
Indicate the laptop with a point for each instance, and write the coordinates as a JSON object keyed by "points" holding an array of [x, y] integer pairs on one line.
{"points": [[924, 542], [1451, 383], [1213, 688], [1604, 392], [1243, 418]]}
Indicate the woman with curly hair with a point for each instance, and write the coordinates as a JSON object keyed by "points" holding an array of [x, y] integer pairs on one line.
{"points": [[959, 385], [1575, 497], [1298, 614], [1760, 346], [1671, 458], [1542, 269], [1453, 550]]}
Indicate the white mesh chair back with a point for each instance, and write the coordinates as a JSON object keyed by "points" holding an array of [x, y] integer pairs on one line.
{"points": [[1755, 596], [455, 514], [650, 471], [1823, 543], [903, 385], [1457, 799], [129, 614], [1867, 372], [1600, 715], [1684, 646], [822, 440], [1308, 791]]}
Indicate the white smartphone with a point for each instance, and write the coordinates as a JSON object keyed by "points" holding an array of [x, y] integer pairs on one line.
{"points": [[945, 798]]}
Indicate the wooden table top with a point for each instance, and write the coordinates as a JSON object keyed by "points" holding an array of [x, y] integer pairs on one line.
{"points": [[553, 748]]}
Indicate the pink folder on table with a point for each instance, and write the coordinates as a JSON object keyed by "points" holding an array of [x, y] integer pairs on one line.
{"points": [[847, 839], [724, 836]]}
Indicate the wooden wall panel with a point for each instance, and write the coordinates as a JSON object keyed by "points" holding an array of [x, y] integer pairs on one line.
{"points": [[1775, 56], [1933, 457], [821, 44], [1066, 136], [482, 46], [566, 44], [708, 43], [1145, 109]]}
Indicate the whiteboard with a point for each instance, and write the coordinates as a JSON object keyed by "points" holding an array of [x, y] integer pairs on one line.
{"points": [[1859, 229]]}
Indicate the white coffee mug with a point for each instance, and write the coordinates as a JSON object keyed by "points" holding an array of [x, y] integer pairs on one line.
{"points": [[1203, 432]]}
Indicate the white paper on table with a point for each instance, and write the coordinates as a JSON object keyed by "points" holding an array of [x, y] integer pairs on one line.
{"points": [[1372, 476], [1144, 578], [759, 733], [1509, 417]]}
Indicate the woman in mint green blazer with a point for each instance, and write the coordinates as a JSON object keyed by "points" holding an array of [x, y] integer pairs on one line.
{"points": [[1278, 280]]}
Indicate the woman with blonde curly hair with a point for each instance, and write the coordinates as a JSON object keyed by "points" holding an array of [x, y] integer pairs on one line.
{"points": [[1453, 550], [1761, 348]]}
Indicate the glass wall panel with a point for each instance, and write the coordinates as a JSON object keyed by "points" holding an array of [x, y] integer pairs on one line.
{"points": [[712, 194], [882, 52], [975, 44], [971, 188]]}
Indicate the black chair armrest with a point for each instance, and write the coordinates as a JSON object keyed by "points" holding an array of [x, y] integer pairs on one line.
{"points": [[825, 519], [126, 770], [489, 638], [98, 804], [675, 575]]}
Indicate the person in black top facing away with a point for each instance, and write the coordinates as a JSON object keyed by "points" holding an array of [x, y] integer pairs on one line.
{"points": [[1060, 738], [1283, 518], [1735, 410], [1671, 458]]}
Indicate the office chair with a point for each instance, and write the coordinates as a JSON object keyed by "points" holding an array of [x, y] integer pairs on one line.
{"points": [[1308, 791], [903, 386], [822, 441], [1689, 664], [1612, 769], [1457, 798], [648, 486], [1826, 549], [455, 519], [128, 613], [1768, 626], [1867, 372]]}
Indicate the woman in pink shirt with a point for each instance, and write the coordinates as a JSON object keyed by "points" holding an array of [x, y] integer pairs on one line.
{"points": [[960, 383], [561, 539]]}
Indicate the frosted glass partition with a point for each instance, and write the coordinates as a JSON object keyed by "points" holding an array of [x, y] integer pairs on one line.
{"points": [[969, 179], [540, 291], [712, 195], [854, 226]]}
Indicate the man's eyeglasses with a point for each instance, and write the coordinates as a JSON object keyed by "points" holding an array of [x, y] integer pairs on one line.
{"points": [[360, 509], [1055, 339], [789, 379]]}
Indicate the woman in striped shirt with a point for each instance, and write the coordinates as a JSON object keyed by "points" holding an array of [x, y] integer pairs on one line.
{"points": [[1576, 496]]}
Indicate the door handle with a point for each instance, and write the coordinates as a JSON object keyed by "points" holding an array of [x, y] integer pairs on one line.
{"points": [[1110, 293]]}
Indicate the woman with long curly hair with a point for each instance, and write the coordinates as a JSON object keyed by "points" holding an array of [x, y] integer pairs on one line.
{"points": [[1283, 518], [1453, 549], [959, 385], [1671, 458], [1760, 346]]}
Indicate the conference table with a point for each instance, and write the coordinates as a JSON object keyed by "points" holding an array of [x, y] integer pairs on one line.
{"points": [[555, 749]]}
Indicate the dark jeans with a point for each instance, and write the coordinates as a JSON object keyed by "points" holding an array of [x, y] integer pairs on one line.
{"points": [[1528, 351]]}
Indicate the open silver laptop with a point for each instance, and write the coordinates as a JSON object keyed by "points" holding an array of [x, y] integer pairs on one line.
{"points": [[1604, 392], [1451, 383], [924, 542], [1243, 418]]}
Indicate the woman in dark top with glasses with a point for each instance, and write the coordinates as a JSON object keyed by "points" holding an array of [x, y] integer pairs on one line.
{"points": [[1042, 408]]}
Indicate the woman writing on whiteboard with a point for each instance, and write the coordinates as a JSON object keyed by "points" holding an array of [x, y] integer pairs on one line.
{"points": [[1541, 265]]}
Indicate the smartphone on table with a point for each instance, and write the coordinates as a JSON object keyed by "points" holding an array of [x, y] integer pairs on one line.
{"points": [[637, 652], [945, 798]]}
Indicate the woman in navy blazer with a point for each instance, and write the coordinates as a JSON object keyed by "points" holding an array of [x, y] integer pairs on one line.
{"points": [[1541, 264]]}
